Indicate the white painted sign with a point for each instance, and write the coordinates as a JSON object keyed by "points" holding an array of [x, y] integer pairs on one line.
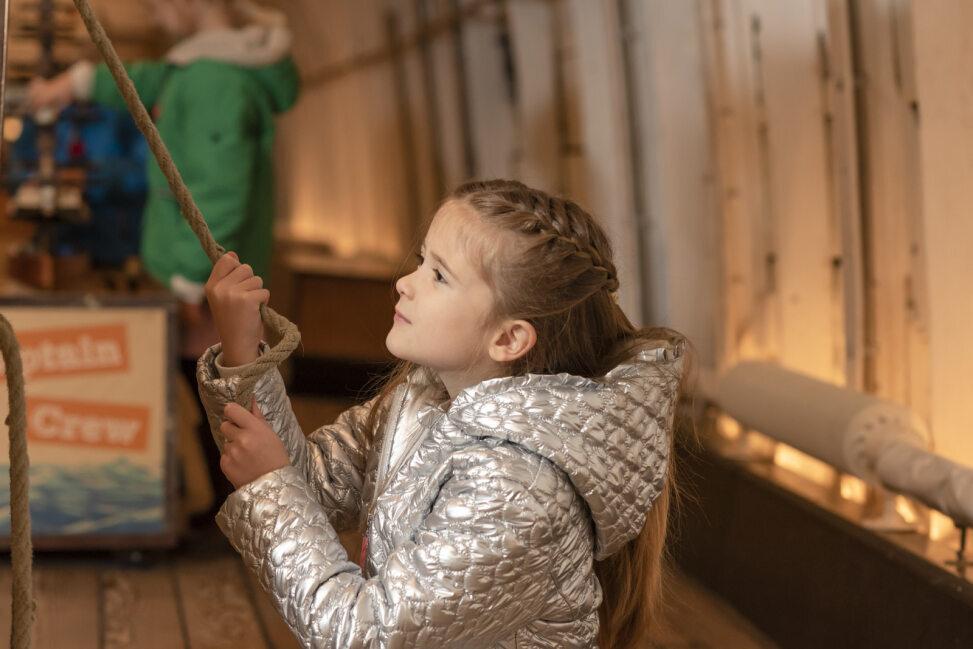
{"points": [[97, 388]]}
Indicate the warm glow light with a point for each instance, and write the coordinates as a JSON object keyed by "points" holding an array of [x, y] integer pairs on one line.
{"points": [[906, 510], [816, 471], [12, 128], [853, 489], [940, 526], [728, 427]]}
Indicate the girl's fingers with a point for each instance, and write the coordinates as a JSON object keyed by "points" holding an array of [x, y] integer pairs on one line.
{"points": [[237, 414], [223, 266], [239, 274], [251, 284], [229, 430], [262, 295]]}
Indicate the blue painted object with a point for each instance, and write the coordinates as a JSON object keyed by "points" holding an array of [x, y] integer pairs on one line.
{"points": [[107, 143]]}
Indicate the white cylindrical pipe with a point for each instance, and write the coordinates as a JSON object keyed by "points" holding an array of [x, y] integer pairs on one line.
{"points": [[881, 442], [823, 420], [929, 478]]}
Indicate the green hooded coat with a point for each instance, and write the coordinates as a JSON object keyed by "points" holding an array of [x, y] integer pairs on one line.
{"points": [[217, 119]]}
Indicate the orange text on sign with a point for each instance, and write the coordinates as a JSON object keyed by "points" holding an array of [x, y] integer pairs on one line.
{"points": [[87, 424], [67, 351]]}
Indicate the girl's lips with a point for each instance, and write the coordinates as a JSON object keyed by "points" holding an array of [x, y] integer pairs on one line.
{"points": [[401, 318]]}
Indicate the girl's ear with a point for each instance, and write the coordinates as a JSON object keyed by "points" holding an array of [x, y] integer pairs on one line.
{"points": [[512, 340]]}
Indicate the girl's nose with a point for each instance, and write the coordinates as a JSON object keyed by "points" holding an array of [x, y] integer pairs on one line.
{"points": [[403, 285]]}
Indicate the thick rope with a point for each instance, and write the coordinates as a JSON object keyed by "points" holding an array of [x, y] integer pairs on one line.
{"points": [[21, 548], [286, 337]]}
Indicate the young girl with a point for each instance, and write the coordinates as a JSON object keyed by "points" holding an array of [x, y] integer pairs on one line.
{"points": [[512, 479]]}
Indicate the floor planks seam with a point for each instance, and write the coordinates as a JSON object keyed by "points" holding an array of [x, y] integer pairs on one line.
{"points": [[180, 609]]}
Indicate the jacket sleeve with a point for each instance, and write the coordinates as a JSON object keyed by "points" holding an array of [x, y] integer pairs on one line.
{"points": [[331, 459], [476, 570], [148, 77]]}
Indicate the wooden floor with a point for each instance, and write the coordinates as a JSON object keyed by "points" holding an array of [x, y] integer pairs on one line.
{"points": [[202, 597]]}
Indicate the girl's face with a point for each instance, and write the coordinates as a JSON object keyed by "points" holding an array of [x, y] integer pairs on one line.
{"points": [[442, 318]]}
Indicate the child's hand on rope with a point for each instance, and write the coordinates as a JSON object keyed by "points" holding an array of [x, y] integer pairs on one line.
{"points": [[250, 447], [235, 295]]}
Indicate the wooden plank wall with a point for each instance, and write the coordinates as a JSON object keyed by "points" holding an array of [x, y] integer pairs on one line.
{"points": [[674, 174], [785, 46], [340, 166], [943, 60], [594, 37], [784, 173], [733, 134], [490, 93], [550, 106], [843, 133], [896, 327], [533, 26]]}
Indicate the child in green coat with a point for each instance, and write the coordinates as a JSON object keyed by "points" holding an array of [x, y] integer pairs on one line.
{"points": [[213, 96]]}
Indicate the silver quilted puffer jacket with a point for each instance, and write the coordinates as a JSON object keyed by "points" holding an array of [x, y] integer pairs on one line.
{"points": [[482, 529]]}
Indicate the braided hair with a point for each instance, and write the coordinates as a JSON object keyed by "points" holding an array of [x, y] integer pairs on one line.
{"points": [[548, 262]]}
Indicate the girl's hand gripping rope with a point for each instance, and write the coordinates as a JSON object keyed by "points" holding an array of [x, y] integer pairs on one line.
{"points": [[235, 295], [250, 447]]}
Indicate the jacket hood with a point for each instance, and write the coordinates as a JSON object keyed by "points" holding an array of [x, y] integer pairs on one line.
{"points": [[611, 436], [251, 46]]}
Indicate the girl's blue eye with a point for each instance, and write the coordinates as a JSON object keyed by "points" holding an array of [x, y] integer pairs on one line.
{"points": [[439, 276], [419, 258]]}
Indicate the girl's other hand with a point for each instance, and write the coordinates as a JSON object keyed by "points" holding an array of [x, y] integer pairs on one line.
{"points": [[250, 447], [56, 92], [235, 294]]}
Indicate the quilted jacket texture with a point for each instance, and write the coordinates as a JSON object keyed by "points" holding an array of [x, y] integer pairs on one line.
{"points": [[482, 532]]}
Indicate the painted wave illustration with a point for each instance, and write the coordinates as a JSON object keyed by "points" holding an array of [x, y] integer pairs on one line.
{"points": [[118, 497]]}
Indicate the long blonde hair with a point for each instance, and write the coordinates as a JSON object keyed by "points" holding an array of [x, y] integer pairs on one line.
{"points": [[553, 267]]}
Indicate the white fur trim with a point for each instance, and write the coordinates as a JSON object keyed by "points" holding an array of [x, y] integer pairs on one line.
{"points": [[251, 46]]}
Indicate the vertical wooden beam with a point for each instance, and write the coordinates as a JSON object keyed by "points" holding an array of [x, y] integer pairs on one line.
{"points": [[672, 168], [943, 61], [490, 92], [729, 84], [847, 170], [895, 330], [430, 90], [636, 67], [565, 145], [794, 168], [604, 133], [534, 29], [765, 225], [412, 222], [463, 94]]}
